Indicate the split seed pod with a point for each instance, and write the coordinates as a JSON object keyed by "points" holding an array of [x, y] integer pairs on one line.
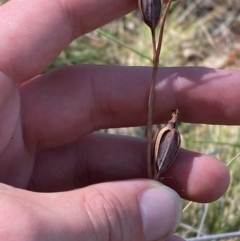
{"points": [[151, 11], [166, 146]]}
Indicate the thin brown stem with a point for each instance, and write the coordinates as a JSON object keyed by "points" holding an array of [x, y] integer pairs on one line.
{"points": [[159, 46], [149, 125], [150, 115], [156, 55], [154, 45]]}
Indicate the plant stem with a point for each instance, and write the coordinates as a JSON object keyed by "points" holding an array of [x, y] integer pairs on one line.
{"points": [[153, 31], [156, 55], [150, 114]]}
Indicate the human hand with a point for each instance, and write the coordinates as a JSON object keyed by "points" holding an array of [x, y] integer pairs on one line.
{"points": [[44, 118]]}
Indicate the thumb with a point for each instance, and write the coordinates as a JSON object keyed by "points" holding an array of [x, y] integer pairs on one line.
{"points": [[127, 210]]}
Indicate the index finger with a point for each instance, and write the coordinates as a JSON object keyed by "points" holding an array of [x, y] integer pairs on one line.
{"points": [[33, 33], [78, 100]]}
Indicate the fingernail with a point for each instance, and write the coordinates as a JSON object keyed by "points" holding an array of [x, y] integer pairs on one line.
{"points": [[161, 210]]}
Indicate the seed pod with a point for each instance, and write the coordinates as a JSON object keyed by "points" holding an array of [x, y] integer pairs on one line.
{"points": [[166, 147], [151, 11]]}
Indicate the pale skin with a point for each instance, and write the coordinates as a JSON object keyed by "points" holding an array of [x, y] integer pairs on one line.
{"points": [[44, 120]]}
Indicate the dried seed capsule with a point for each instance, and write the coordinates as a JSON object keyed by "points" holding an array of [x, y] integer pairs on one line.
{"points": [[151, 11], [166, 147]]}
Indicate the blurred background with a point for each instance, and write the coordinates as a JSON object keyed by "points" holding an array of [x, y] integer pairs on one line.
{"points": [[197, 33]]}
